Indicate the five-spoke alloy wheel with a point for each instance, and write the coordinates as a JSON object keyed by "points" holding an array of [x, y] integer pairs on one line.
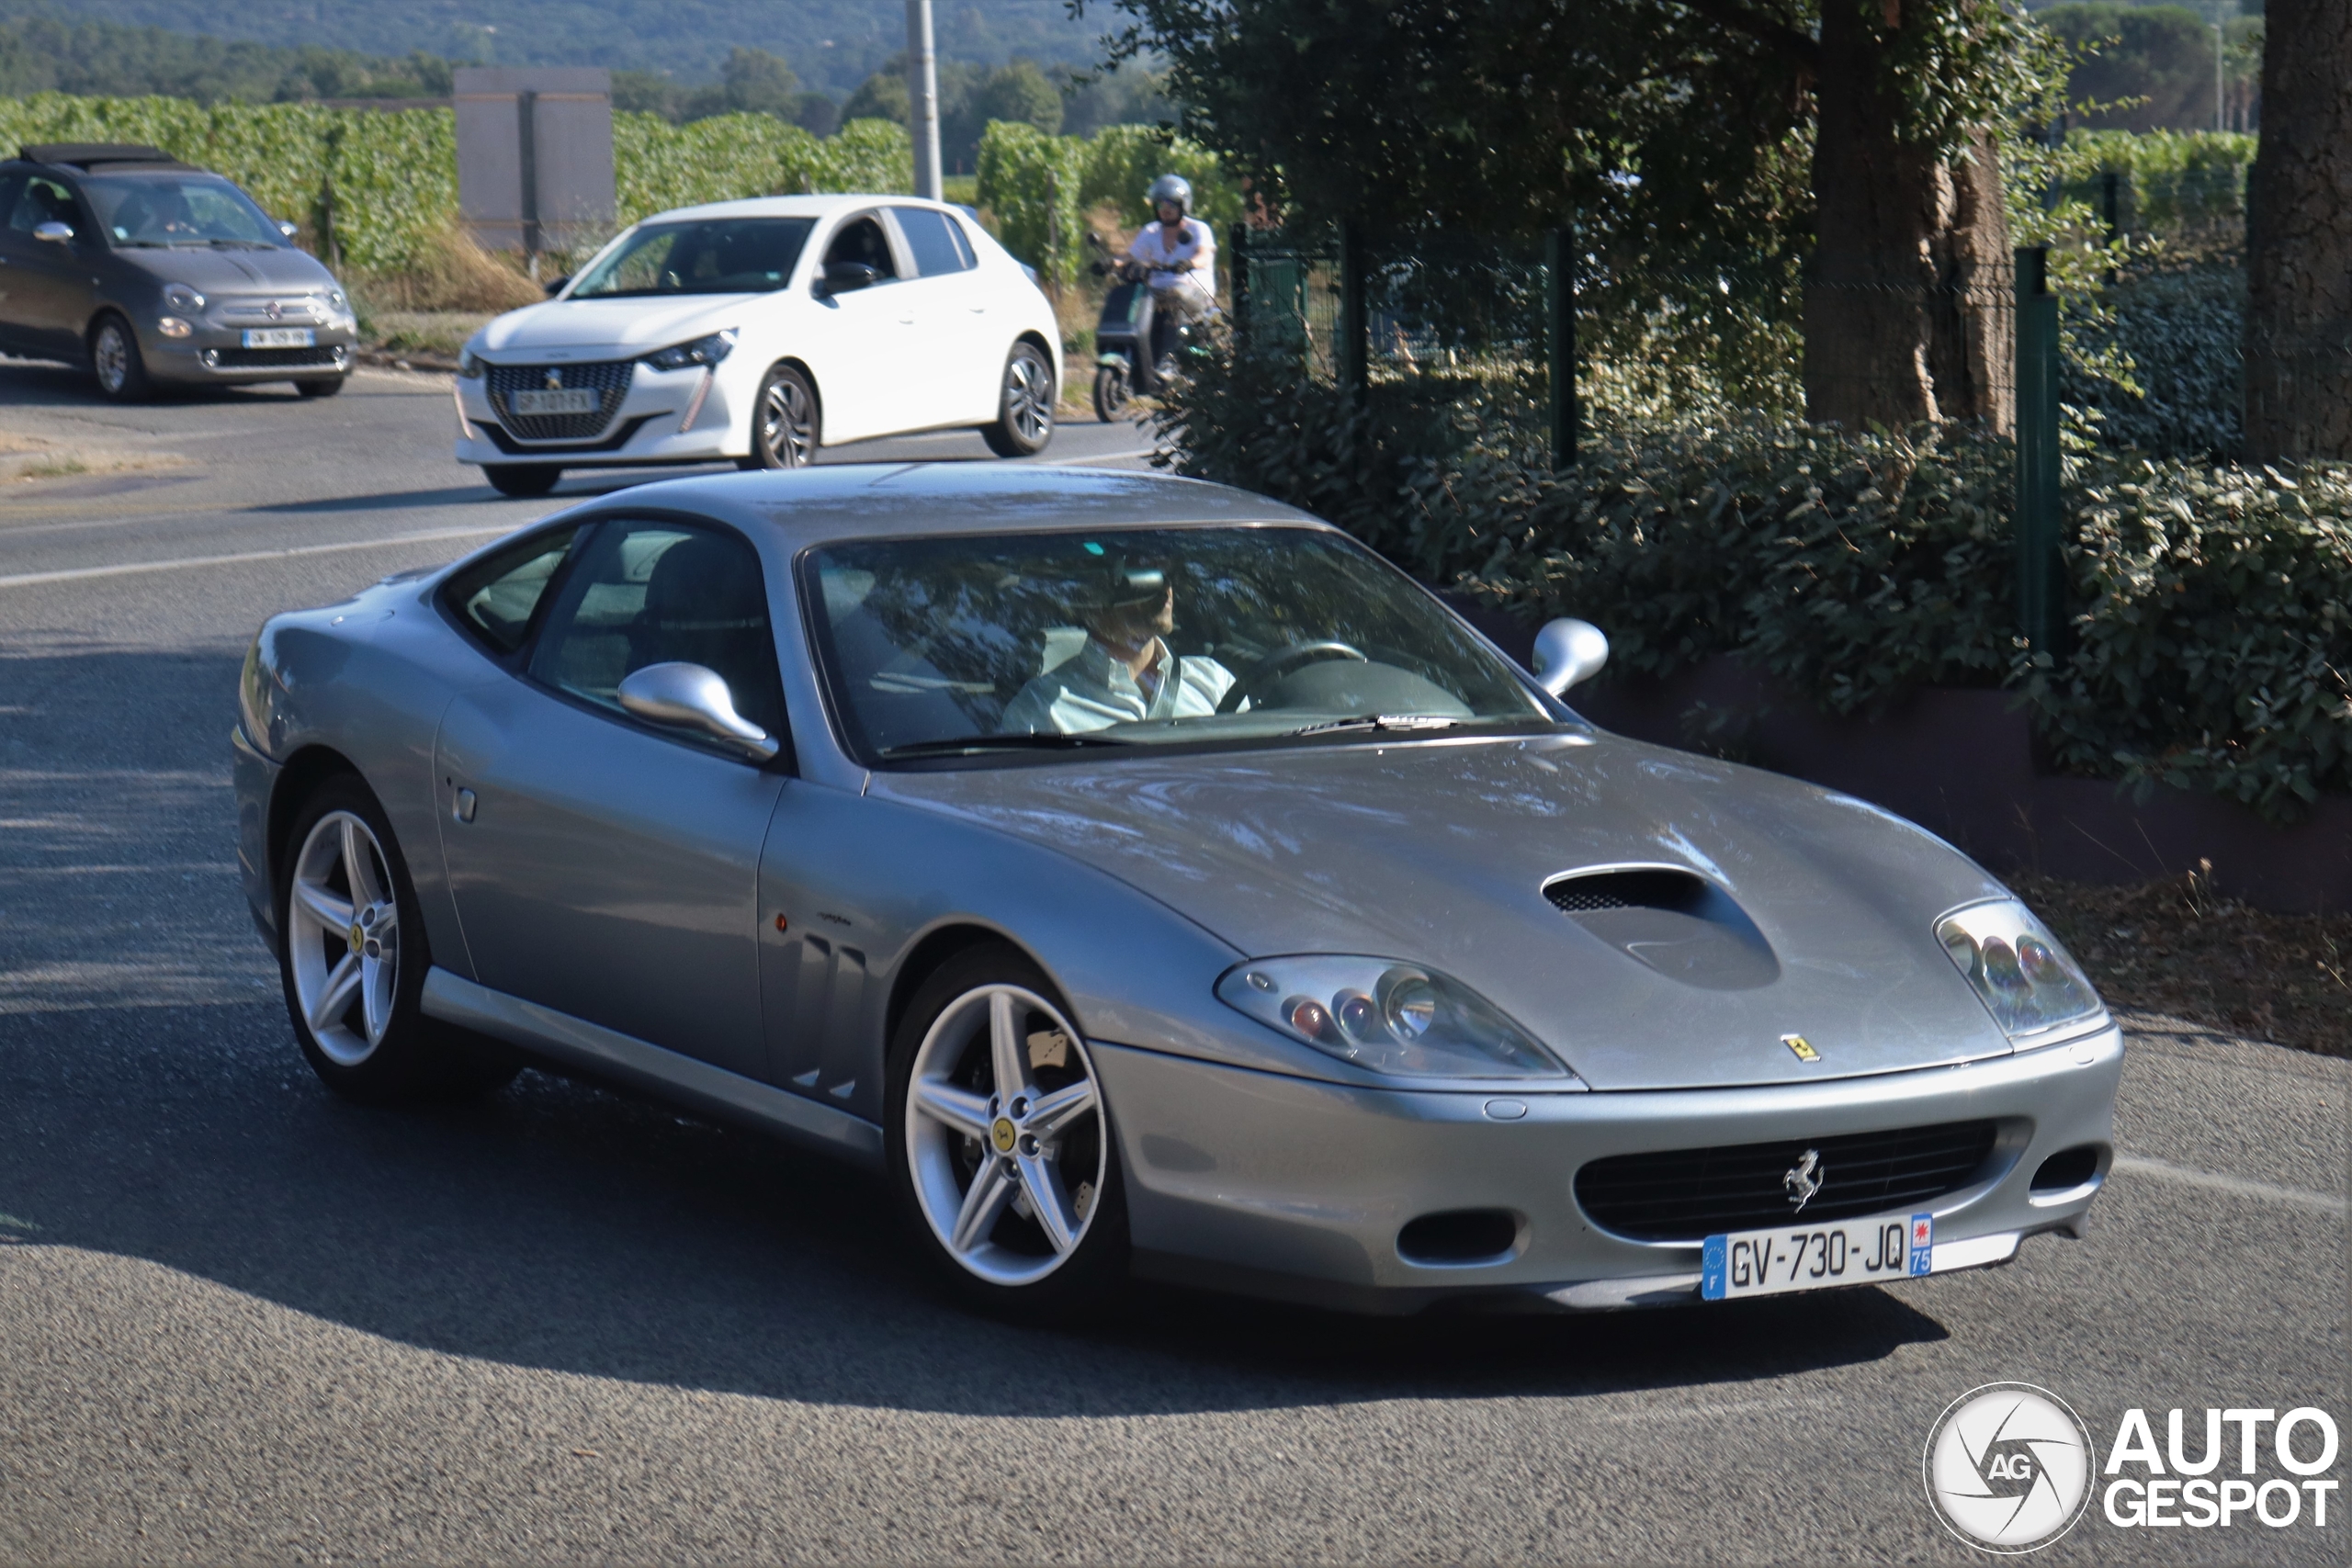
{"points": [[343, 938], [353, 954], [1001, 1140]]}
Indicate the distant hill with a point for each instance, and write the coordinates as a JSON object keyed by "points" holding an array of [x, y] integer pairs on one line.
{"points": [[833, 45]]}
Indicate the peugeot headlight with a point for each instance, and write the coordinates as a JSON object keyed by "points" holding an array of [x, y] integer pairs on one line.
{"points": [[702, 351], [469, 364], [1399, 1018], [2025, 977], [182, 299]]}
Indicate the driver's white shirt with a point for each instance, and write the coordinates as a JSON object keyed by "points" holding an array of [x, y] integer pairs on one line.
{"points": [[1090, 690]]}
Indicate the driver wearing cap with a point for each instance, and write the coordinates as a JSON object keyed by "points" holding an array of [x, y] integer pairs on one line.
{"points": [[1125, 673]]}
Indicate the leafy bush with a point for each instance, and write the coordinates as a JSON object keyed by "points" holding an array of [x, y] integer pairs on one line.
{"points": [[378, 193], [2214, 620], [1038, 187]]}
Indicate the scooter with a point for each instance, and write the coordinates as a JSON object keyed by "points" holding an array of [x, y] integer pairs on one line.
{"points": [[1135, 348]]}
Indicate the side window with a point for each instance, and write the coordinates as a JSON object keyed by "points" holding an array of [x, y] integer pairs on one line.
{"points": [[653, 593], [932, 236], [493, 600], [861, 240], [43, 201]]}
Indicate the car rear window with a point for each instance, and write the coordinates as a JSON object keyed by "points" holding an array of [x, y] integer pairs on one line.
{"points": [[495, 600], [938, 246]]}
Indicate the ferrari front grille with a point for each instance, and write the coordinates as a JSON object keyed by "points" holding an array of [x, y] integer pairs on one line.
{"points": [[1687, 1195]]}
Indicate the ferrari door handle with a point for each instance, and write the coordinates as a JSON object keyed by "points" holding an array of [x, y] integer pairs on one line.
{"points": [[462, 806]]}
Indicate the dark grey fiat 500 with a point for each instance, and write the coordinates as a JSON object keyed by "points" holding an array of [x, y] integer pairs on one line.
{"points": [[149, 270]]}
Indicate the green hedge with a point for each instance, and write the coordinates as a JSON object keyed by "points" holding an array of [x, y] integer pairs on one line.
{"points": [[377, 189], [1039, 188], [2213, 606]]}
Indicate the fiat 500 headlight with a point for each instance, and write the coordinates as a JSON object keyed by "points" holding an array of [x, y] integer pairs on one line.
{"points": [[2026, 978], [1400, 1019], [702, 351]]}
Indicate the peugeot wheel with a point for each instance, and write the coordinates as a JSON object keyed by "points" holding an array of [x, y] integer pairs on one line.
{"points": [[1000, 1142], [783, 422], [115, 359], [353, 956], [1024, 420]]}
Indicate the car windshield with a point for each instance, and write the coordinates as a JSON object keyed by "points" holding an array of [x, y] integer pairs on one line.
{"points": [[166, 207], [705, 255], [971, 646]]}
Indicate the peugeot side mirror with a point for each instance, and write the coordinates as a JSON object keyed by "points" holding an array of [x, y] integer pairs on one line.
{"points": [[846, 276], [555, 285], [56, 233], [690, 697], [1568, 652]]}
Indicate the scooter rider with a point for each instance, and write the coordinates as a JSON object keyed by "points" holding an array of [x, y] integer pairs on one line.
{"points": [[1177, 254]]}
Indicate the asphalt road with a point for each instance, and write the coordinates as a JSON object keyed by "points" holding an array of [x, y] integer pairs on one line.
{"points": [[240, 1320]]}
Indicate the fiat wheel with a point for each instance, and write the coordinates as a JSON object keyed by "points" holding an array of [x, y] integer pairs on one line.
{"points": [[116, 361], [353, 957], [783, 422], [1000, 1141], [1024, 420]]}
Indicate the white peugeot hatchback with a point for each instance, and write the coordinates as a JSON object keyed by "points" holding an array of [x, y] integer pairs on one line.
{"points": [[757, 331]]}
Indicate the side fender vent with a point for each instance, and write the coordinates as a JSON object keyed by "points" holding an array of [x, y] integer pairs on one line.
{"points": [[1673, 921]]}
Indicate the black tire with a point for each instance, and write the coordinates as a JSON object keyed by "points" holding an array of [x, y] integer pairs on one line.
{"points": [[787, 422], [416, 1058], [321, 386], [522, 479], [1090, 1276], [115, 362], [1024, 404], [1110, 394]]}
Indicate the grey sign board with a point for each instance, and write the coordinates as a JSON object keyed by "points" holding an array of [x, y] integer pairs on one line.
{"points": [[534, 156]]}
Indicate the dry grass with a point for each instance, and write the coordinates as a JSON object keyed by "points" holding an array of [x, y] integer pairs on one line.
{"points": [[457, 275], [2177, 947]]}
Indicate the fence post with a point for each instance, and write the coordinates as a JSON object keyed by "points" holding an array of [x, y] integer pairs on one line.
{"points": [[1350, 356], [1238, 249], [1560, 343], [2042, 611]]}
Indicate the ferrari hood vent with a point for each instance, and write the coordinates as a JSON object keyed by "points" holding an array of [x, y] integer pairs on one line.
{"points": [[1673, 921]]}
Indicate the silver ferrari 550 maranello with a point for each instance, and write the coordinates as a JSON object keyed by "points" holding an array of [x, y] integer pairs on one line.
{"points": [[1148, 879]]}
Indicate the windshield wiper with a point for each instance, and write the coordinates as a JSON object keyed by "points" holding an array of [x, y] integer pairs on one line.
{"points": [[965, 745], [1378, 721]]}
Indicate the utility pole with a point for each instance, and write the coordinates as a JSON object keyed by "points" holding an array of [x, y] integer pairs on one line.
{"points": [[2220, 97], [922, 98]]}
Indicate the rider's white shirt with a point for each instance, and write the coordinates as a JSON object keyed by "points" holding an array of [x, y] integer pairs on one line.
{"points": [[1155, 249], [1092, 691]]}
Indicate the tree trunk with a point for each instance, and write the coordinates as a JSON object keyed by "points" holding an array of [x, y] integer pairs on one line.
{"points": [[1908, 311], [2299, 240]]}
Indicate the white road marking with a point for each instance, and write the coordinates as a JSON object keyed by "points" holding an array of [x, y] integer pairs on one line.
{"points": [[188, 563], [2162, 1170]]}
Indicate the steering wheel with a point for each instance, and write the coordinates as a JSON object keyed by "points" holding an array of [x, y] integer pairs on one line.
{"points": [[1281, 662]]}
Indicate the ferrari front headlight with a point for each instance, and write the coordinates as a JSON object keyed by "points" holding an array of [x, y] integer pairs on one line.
{"points": [[2026, 980], [1404, 1019]]}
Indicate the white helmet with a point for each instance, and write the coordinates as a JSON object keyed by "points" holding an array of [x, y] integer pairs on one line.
{"points": [[1171, 187]]}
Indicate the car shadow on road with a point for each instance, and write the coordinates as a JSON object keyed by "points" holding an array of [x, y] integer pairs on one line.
{"points": [[563, 1225], [50, 383]]}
